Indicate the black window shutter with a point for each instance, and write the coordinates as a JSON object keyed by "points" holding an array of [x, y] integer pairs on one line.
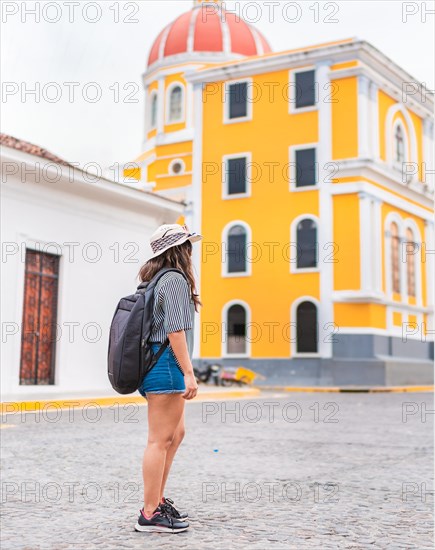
{"points": [[236, 176], [306, 167], [237, 252], [305, 89], [238, 100]]}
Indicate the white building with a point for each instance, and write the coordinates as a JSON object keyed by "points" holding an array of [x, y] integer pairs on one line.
{"points": [[72, 246]]}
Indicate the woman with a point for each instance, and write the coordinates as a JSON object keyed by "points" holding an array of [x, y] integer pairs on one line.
{"points": [[171, 381]]}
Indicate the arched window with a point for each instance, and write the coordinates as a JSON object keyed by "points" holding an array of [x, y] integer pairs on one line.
{"points": [[236, 329], [306, 331], [153, 110], [411, 248], [399, 145], [237, 241], [395, 262], [175, 104], [306, 236]]}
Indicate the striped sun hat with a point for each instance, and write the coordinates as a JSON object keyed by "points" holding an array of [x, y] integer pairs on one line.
{"points": [[168, 235]]}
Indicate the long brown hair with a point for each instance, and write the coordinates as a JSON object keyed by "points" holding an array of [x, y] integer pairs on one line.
{"points": [[178, 256]]}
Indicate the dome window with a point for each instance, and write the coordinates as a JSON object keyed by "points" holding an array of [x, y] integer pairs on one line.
{"points": [[175, 104]]}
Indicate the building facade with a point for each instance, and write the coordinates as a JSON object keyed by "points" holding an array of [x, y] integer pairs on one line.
{"points": [[72, 245], [308, 172]]}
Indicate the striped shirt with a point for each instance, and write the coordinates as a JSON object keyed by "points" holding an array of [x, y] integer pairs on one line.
{"points": [[173, 309]]}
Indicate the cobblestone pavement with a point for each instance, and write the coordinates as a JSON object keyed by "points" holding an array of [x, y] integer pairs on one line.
{"points": [[303, 471]]}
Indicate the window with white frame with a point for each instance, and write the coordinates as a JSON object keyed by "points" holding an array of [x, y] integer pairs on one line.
{"points": [[306, 239], [236, 323], [236, 175], [411, 249], [237, 100], [305, 167], [305, 89], [395, 260], [237, 249], [153, 110], [306, 328], [175, 112], [399, 144]]}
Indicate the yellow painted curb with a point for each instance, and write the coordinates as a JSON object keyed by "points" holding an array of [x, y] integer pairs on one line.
{"points": [[380, 389], [13, 407]]}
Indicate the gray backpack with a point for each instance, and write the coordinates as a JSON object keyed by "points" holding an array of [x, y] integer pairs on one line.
{"points": [[130, 356]]}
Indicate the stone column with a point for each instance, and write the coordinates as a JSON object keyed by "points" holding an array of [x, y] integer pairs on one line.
{"points": [[364, 121]]}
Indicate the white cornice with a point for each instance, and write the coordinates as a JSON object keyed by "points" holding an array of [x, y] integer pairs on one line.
{"points": [[170, 70], [361, 50], [358, 296], [382, 175], [382, 195], [189, 58], [385, 84], [162, 138]]}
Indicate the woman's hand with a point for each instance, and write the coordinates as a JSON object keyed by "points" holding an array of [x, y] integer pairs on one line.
{"points": [[191, 386]]}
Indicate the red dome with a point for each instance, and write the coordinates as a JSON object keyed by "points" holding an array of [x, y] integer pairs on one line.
{"points": [[208, 29]]}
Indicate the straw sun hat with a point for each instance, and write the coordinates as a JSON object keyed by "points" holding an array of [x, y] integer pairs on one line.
{"points": [[168, 235]]}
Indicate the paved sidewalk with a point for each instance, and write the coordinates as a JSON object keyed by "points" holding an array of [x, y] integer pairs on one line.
{"points": [[300, 471], [50, 401]]}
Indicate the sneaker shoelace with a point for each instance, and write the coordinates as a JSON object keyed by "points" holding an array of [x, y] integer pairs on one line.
{"points": [[169, 517], [168, 506]]}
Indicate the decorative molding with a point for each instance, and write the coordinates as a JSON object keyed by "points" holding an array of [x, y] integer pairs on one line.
{"points": [[326, 235], [364, 149], [408, 134], [377, 66], [382, 174]]}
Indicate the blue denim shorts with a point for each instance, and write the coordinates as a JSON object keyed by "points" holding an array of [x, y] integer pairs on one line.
{"points": [[165, 377]]}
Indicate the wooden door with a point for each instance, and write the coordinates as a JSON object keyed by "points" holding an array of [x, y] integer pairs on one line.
{"points": [[38, 342]]}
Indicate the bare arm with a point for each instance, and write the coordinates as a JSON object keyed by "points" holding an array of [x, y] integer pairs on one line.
{"points": [[179, 346]]}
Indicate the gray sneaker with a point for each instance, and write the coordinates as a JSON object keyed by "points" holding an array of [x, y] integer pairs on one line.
{"points": [[160, 522]]}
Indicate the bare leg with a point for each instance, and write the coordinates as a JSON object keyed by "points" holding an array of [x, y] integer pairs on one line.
{"points": [[164, 414], [178, 438]]}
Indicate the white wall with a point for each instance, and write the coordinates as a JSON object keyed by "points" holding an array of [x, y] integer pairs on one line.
{"points": [[88, 291]]}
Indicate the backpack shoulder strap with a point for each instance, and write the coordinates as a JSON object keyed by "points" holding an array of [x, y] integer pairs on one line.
{"points": [[147, 285]]}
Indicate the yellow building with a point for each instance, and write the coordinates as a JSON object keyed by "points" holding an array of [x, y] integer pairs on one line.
{"points": [[308, 173]]}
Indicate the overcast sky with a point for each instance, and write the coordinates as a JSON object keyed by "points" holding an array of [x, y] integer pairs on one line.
{"points": [[114, 54]]}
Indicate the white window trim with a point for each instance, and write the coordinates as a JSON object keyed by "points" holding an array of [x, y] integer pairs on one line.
{"points": [[292, 109], [409, 134], [292, 166], [224, 325], [409, 223], [183, 169], [397, 165], [293, 328], [226, 102], [293, 239], [169, 89], [394, 217], [224, 242], [225, 158], [154, 93]]}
